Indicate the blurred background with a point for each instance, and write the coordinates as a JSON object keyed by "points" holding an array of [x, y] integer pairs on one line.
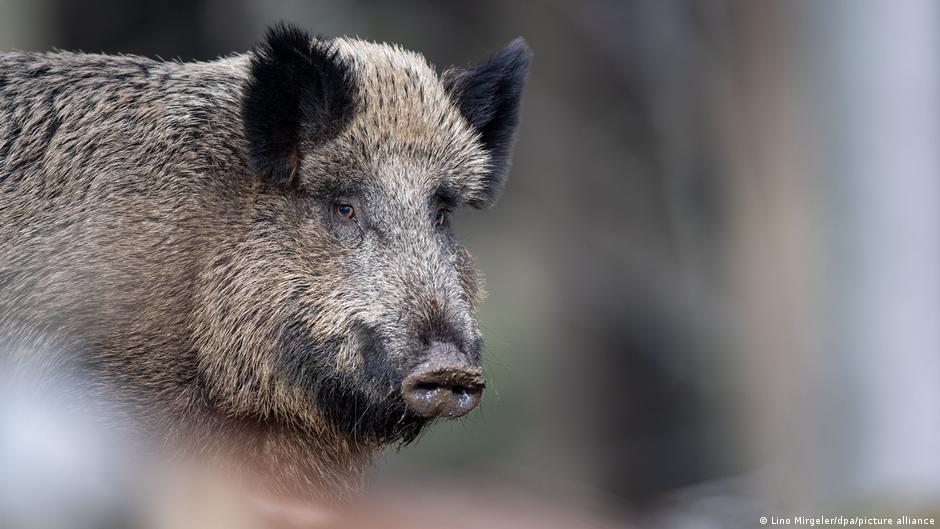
{"points": [[714, 275]]}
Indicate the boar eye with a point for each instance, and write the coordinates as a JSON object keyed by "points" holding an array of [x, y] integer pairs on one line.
{"points": [[441, 216], [345, 211]]}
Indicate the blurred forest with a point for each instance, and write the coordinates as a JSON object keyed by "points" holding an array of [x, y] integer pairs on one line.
{"points": [[714, 275]]}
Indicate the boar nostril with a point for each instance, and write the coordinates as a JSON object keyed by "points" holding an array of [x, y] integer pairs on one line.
{"points": [[427, 386], [449, 393], [445, 385]]}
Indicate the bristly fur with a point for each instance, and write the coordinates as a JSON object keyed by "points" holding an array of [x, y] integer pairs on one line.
{"points": [[488, 95], [168, 235]]}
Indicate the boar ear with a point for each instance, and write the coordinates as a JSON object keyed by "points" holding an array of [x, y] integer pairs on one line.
{"points": [[298, 94], [488, 96]]}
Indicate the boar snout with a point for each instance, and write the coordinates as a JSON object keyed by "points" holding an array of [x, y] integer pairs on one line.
{"points": [[446, 384]]}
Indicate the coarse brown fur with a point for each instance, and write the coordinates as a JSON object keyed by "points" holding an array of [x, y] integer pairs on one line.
{"points": [[175, 248]]}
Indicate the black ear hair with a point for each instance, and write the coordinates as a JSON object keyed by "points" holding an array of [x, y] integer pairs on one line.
{"points": [[298, 94], [488, 96]]}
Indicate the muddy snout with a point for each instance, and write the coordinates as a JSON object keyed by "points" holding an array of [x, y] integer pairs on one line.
{"points": [[446, 384]]}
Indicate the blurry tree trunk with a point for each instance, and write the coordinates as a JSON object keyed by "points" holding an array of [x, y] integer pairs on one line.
{"points": [[876, 89], [837, 269], [777, 261]]}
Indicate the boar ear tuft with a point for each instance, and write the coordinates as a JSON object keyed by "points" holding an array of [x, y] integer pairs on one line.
{"points": [[299, 93], [488, 96]]}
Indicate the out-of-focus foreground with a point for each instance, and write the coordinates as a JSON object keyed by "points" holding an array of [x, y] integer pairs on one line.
{"points": [[714, 275]]}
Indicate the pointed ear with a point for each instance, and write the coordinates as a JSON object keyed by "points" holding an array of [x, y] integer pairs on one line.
{"points": [[488, 96], [299, 94]]}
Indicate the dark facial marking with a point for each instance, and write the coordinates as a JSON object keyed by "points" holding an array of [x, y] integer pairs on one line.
{"points": [[365, 405]]}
